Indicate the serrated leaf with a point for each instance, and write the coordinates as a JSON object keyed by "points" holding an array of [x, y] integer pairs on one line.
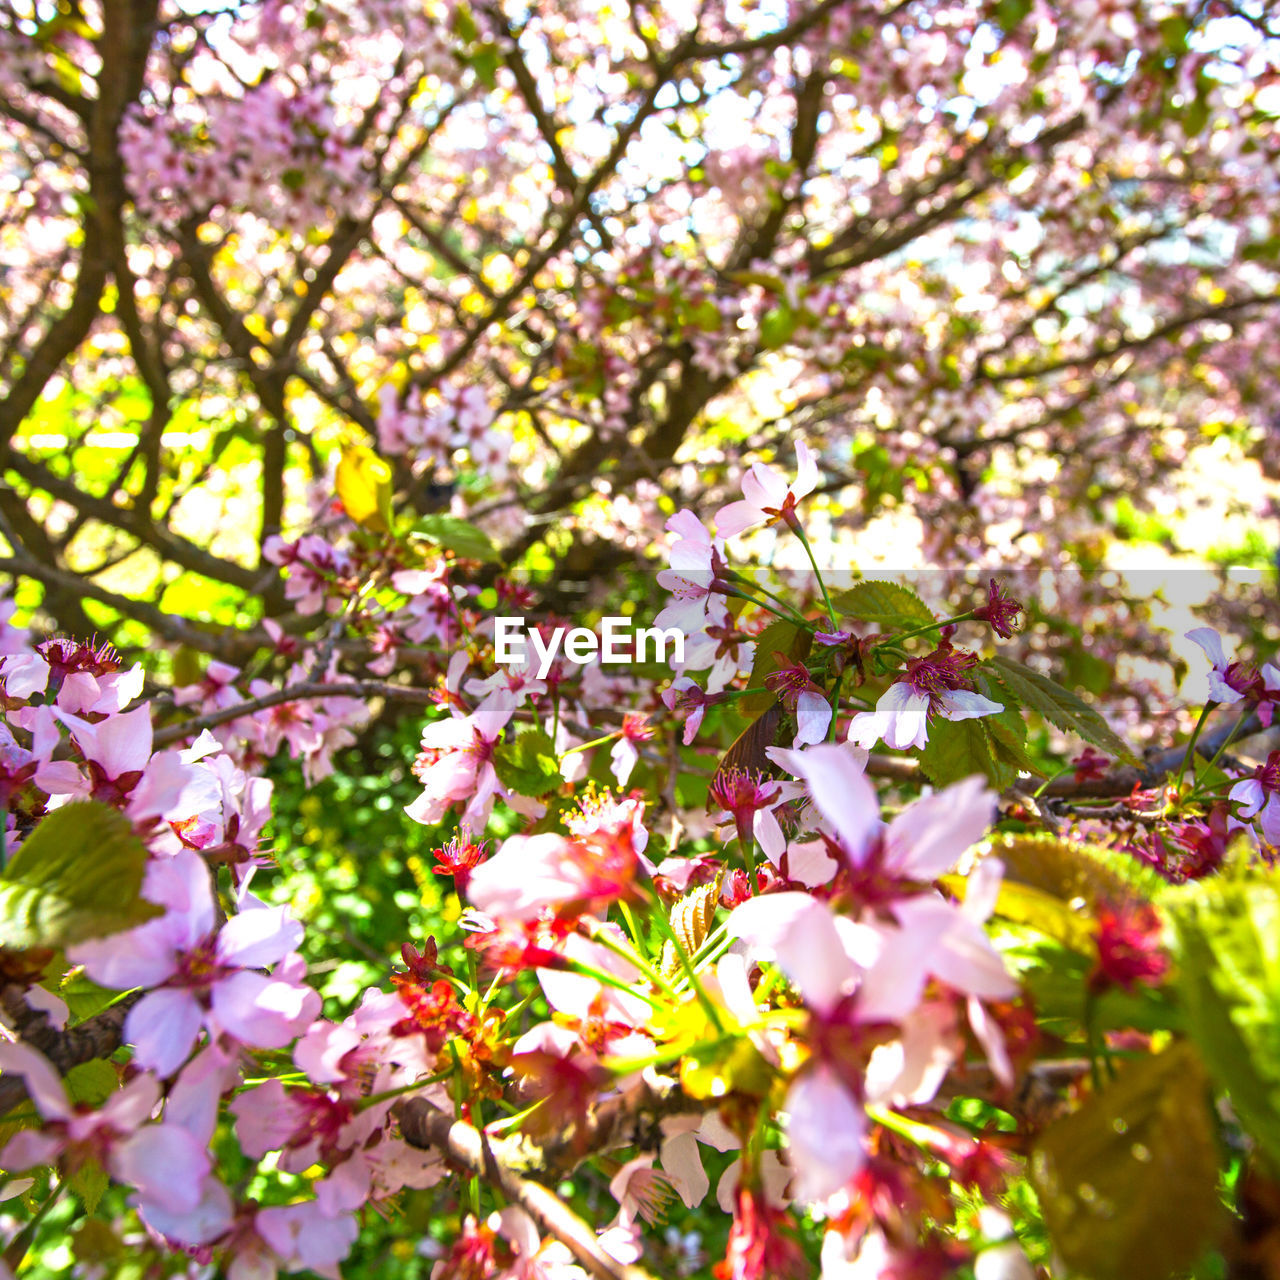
{"points": [[77, 876], [1128, 1183], [89, 1182], [463, 538], [363, 484], [1059, 706], [956, 749], [886, 604], [1007, 737], [1228, 948], [529, 765], [1064, 869]]}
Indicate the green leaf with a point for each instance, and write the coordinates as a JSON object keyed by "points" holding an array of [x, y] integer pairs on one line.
{"points": [[956, 749], [1129, 1183], [457, 535], [89, 1182], [1006, 740], [1070, 870], [77, 876], [1227, 935], [780, 636], [777, 327], [1038, 910], [1056, 978], [84, 997], [886, 604], [528, 765], [1059, 706], [91, 1082]]}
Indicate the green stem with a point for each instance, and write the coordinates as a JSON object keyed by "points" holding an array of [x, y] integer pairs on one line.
{"points": [[932, 626], [633, 930], [595, 742], [1040, 790], [826, 599], [16, 1250], [790, 615], [777, 599], [608, 979], [1217, 755], [634, 958], [835, 706], [374, 1098], [708, 1005], [1191, 744]]}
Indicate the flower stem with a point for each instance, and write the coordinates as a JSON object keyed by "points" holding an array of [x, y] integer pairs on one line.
{"points": [[1191, 743], [831, 613]]}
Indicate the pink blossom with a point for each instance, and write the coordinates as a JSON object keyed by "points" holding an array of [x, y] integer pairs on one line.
{"points": [[1228, 681], [458, 763], [934, 685], [164, 1161], [767, 497], [200, 975]]}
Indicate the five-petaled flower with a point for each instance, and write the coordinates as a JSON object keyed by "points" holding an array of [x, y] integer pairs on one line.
{"points": [[935, 685], [767, 497]]}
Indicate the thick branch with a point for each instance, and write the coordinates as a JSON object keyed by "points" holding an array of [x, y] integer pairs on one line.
{"points": [[424, 1126]]}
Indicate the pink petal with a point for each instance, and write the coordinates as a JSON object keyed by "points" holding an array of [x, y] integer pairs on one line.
{"points": [[964, 704], [813, 718], [162, 1027], [838, 785], [763, 487], [258, 937], [166, 1164], [209, 1219], [806, 471], [825, 1126], [927, 838], [800, 933], [258, 1010], [736, 517], [44, 1085]]}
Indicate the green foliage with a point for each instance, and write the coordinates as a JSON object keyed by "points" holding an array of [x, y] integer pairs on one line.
{"points": [[528, 765], [451, 533], [1128, 1183], [1028, 688], [883, 604], [957, 749], [1072, 869], [77, 876], [780, 636], [1228, 944]]}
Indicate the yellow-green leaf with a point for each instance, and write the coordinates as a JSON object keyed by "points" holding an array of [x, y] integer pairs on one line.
{"points": [[1128, 1184], [77, 876], [363, 483]]}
